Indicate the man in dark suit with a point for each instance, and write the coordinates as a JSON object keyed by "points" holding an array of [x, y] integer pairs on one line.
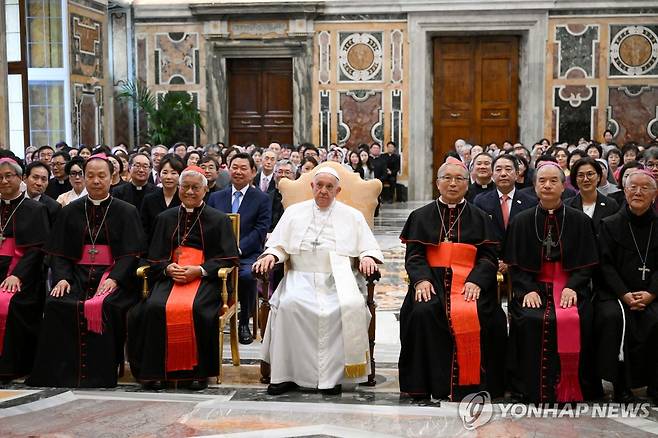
{"points": [[378, 161], [264, 179], [505, 201], [133, 193], [36, 181], [255, 209], [59, 183], [157, 153]]}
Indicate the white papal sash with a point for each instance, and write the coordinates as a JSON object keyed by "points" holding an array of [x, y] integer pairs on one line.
{"points": [[353, 317]]}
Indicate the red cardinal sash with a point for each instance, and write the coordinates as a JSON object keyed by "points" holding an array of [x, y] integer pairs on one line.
{"points": [[568, 334], [460, 258], [181, 340], [8, 249], [96, 255]]}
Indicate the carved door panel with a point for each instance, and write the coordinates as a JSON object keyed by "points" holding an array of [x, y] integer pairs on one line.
{"points": [[260, 100], [475, 91]]}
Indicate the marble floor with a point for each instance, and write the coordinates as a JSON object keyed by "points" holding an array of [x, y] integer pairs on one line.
{"points": [[240, 406]]}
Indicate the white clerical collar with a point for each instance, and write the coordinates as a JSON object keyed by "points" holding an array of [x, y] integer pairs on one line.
{"points": [[243, 190], [36, 198], [510, 195], [99, 201], [451, 205], [484, 186], [139, 187], [191, 210], [8, 201]]}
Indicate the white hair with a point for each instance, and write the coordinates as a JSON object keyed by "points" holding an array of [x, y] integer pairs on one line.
{"points": [[444, 167], [635, 171], [192, 173]]}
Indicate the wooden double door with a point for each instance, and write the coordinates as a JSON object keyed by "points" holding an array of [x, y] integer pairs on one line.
{"points": [[476, 82], [260, 100]]}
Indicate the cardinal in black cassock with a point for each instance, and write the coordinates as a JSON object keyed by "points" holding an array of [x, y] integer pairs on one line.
{"points": [[95, 242], [627, 343], [174, 334], [548, 251], [451, 347], [23, 231]]}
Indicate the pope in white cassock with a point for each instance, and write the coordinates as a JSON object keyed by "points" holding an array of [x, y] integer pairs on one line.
{"points": [[317, 331]]}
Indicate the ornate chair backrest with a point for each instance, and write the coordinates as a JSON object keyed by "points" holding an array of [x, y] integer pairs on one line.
{"points": [[235, 225], [355, 192]]}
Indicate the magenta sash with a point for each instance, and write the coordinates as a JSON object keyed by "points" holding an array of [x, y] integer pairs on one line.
{"points": [[99, 255], [568, 334], [7, 249]]}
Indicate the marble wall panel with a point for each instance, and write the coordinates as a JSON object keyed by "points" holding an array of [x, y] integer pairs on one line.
{"points": [[325, 118], [576, 52], [87, 54], [360, 56], [633, 50], [360, 117], [575, 112], [177, 58], [88, 113], [633, 113]]}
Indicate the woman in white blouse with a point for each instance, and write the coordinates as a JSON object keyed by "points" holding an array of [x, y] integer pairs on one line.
{"points": [[74, 169]]}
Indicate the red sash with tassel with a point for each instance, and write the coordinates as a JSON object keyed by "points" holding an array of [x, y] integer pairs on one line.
{"points": [[97, 255], [460, 258], [8, 249], [568, 334], [181, 340]]}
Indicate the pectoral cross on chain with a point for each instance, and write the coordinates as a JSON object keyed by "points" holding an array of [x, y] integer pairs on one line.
{"points": [[644, 270], [92, 253], [177, 254], [315, 244], [549, 244]]}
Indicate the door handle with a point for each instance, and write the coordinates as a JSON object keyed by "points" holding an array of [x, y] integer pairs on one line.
{"points": [[279, 122], [244, 122], [495, 114], [455, 115]]}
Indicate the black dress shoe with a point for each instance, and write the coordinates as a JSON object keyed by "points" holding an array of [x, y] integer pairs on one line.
{"points": [[152, 385], [199, 384], [333, 391], [244, 335], [281, 388], [623, 395]]}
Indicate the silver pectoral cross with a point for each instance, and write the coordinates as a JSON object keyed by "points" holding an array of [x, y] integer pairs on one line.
{"points": [[92, 253], [644, 270], [548, 243]]}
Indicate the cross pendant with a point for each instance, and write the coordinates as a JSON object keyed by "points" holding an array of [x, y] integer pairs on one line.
{"points": [[177, 254], [644, 270], [92, 253], [446, 238], [548, 243], [2, 239], [315, 244]]}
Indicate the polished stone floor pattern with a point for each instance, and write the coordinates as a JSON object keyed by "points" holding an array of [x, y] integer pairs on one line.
{"points": [[240, 406]]}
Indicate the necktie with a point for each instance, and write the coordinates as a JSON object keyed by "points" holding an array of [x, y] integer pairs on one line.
{"points": [[505, 210], [263, 183], [236, 202]]}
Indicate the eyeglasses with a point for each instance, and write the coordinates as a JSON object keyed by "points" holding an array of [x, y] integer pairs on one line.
{"points": [[194, 188], [588, 175], [7, 176], [58, 163], [76, 174], [456, 179], [642, 189], [651, 164], [283, 172], [141, 166]]}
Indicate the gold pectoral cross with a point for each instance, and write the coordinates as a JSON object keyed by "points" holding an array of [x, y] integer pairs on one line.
{"points": [[177, 254]]}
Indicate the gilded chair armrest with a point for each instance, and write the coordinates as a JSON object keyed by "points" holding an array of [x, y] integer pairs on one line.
{"points": [[499, 277], [223, 273], [143, 272]]}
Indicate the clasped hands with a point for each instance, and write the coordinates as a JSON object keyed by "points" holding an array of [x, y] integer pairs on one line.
{"points": [[63, 287], [263, 265], [183, 274], [638, 300], [425, 290], [568, 298]]}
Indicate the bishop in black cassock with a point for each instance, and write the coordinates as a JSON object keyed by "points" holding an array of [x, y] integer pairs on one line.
{"points": [[174, 333], [550, 251], [626, 313], [94, 249], [451, 346], [23, 230]]}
